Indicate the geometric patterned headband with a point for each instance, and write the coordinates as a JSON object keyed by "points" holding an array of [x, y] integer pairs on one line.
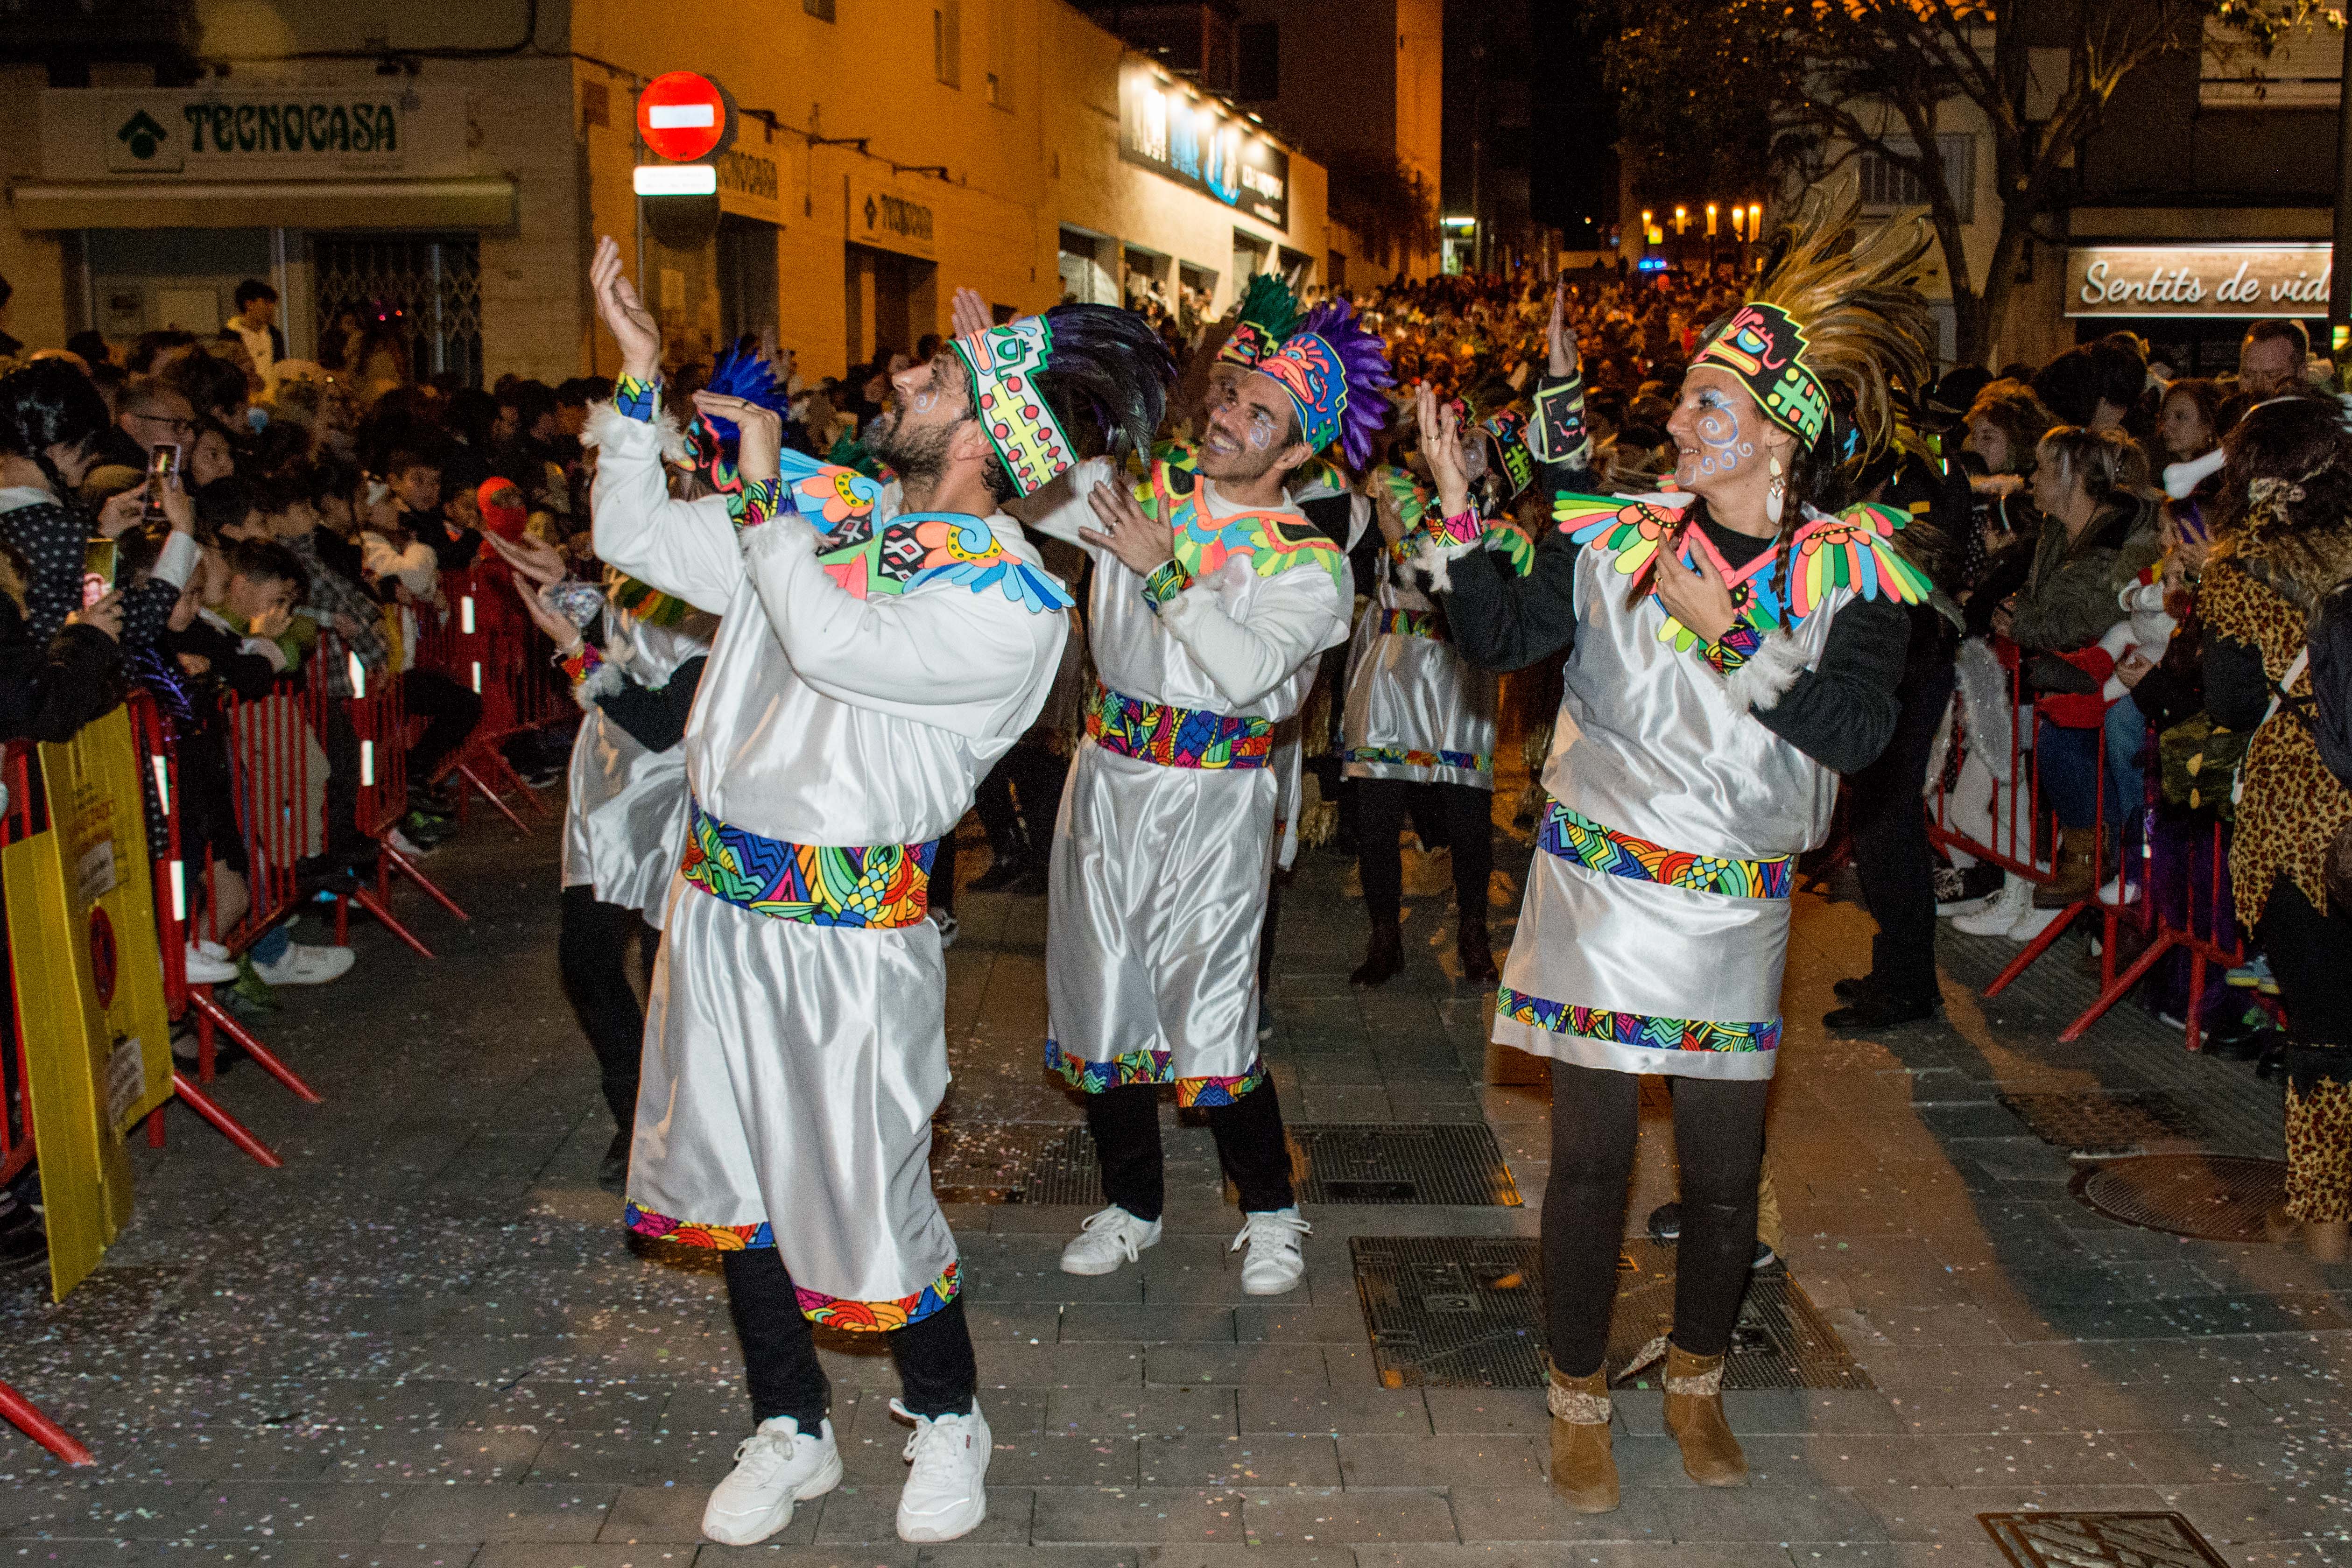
{"points": [[1004, 362], [1765, 347]]}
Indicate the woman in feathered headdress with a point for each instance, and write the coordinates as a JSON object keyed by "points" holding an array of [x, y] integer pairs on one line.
{"points": [[1732, 647]]}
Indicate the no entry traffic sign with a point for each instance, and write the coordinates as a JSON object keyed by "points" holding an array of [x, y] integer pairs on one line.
{"points": [[682, 116]]}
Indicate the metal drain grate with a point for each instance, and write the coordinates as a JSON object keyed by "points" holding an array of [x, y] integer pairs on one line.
{"points": [[2083, 1540], [1015, 1162], [2101, 1122], [2212, 1197], [1467, 1312], [1447, 1163]]}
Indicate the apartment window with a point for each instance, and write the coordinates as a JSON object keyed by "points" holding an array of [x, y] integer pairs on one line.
{"points": [[1886, 183], [947, 42], [1000, 53], [1261, 61], [820, 9]]}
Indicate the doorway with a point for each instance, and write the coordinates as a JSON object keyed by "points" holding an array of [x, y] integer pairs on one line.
{"points": [[890, 301], [747, 281]]}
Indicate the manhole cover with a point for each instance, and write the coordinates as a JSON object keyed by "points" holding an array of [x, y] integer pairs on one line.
{"points": [[1388, 1163], [2085, 1540], [1053, 1162], [2093, 1122], [2213, 1198], [1015, 1162], [1467, 1312]]}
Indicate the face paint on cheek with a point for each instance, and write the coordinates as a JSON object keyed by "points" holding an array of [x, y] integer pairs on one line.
{"points": [[1258, 437], [1717, 428]]}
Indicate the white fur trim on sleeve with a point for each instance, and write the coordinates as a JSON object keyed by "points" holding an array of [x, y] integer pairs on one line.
{"points": [[1766, 677], [604, 419], [1433, 563], [602, 681]]}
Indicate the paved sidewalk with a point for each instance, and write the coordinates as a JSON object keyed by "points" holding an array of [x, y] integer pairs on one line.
{"points": [[424, 1341]]}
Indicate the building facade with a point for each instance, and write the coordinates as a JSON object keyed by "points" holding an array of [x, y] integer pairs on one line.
{"points": [[441, 174]]}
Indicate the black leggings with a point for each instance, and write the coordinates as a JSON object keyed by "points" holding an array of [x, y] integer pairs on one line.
{"points": [[454, 712], [1719, 1138], [1891, 857], [1469, 819], [590, 948], [937, 1374], [2311, 954], [1250, 1145]]}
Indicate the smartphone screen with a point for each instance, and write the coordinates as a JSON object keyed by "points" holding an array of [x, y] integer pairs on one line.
{"points": [[163, 470], [99, 559]]}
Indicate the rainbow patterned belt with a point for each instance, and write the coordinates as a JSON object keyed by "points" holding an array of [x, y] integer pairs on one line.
{"points": [[1577, 838], [1412, 623], [1177, 736], [880, 886]]}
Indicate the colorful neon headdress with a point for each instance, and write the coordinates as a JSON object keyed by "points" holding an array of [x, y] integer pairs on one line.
{"points": [[710, 440], [1268, 312], [1836, 325], [1334, 371], [1094, 369], [1514, 463]]}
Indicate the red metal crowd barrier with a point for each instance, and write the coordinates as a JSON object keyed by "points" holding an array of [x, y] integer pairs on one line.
{"points": [[486, 643], [2175, 897]]}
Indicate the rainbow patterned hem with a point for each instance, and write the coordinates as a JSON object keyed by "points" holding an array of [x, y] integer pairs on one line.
{"points": [[879, 1317], [1404, 756], [880, 886], [1149, 1067], [689, 1233], [1573, 837], [1639, 1031], [1412, 623], [1177, 736]]}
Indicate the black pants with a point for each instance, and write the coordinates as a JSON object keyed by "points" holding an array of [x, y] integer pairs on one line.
{"points": [[937, 1374], [1891, 857], [591, 950], [453, 711], [2311, 955], [1467, 815], [1719, 1140], [1031, 775], [1250, 1145], [943, 874]]}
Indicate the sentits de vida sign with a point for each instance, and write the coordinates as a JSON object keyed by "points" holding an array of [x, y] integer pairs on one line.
{"points": [[2191, 280]]}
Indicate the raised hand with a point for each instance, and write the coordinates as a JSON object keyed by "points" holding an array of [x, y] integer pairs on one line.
{"points": [[760, 451], [1140, 544], [559, 629], [532, 558], [1560, 335], [968, 313], [106, 614], [1442, 446], [1699, 599], [624, 315]]}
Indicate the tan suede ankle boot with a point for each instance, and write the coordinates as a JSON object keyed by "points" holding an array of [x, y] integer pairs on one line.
{"points": [[1711, 1454], [2077, 872], [1583, 1472]]}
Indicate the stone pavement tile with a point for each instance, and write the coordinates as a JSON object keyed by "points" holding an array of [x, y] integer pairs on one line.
{"points": [[1391, 1459], [1346, 1103], [768, 1554], [1314, 1517], [1211, 1554], [1259, 1460], [1052, 1461], [1948, 1514], [1333, 1319], [1056, 1220], [1765, 1410], [995, 1282], [1346, 1409], [2289, 1554], [465, 1455], [1139, 1413], [866, 1515], [528, 1512], [1143, 1515], [638, 1457], [542, 1554], [1100, 1364], [1488, 1410], [196, 1510], [1040, 1320], [1146, 1324], [1536, 1513], [1260, 1364], [362, 1403], [1955, 1322], [281, 1553], [543, 1404], [964, 1554], [185, 1456], [1812, 1461], [672, 1515], [2063, 1458], [1979, 1553], [2241, 1513], [1568, 1555], [1762, 1513]]}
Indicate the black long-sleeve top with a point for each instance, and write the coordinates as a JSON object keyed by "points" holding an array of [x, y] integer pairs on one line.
{"points": [[1841, 713]]}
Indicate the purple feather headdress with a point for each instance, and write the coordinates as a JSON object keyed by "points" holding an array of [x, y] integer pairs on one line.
{"points": [[741, 372], [1334, 371]]}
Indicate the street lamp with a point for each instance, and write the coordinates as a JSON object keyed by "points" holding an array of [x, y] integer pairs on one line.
{"points": [[1710, 220], [1682, 218]]}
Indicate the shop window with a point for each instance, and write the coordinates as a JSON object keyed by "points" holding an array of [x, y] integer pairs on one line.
{"points": [[1335, 271], [820, 9], [1000, 53], [947, 41], [1261, 61], [1085, 278], [418, 296], [1888, 184]]}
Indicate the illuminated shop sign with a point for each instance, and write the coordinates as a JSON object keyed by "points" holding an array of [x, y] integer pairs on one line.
{"points": [[1202, 143], [2197, 281]]}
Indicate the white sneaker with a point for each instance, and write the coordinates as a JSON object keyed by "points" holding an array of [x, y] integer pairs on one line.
{"points": [[2032, 924], [2117, 893], [1274, 1265], [2015, 898], [948, 925], [946, 1493], [408, 847], [1109, 1238], [775, 1466], [301, 965], [209, 965]]}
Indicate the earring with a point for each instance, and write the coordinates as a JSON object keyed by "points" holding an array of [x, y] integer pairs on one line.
{"points": [[1775, 495]]}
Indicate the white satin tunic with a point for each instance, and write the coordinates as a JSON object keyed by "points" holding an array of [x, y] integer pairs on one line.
{"points": [[1158, 874], [625, 817], [1415, 710], [791, 1069]]}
